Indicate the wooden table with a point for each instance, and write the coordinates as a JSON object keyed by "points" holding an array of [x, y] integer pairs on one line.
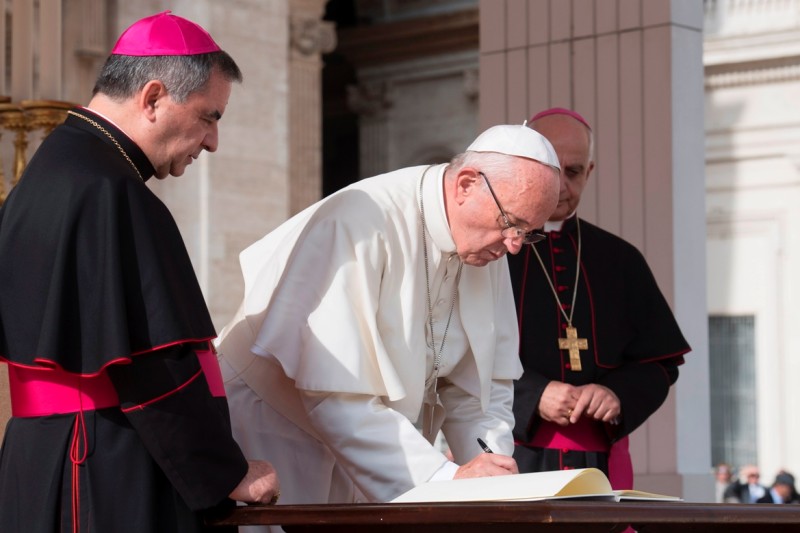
{"points": [[555, 516]]}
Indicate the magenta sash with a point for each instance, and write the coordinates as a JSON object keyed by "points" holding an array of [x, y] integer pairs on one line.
{"points": [[49, 391], [620, 465], [586, 435], [210, 365]]}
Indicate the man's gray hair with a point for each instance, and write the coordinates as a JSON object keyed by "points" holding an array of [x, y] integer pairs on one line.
{"points": [[497, 166], [123, 76]]}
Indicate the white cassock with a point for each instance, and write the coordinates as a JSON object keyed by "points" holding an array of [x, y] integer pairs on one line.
{"points": [[326, 362]]}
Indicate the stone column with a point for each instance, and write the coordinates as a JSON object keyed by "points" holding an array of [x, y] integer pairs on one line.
{"points": [[309, 38], [634, 69], [372, 101], [22, 23], [50, 36]]}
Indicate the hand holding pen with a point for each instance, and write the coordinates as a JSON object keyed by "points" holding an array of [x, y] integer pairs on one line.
{"points": [[487, 464]]}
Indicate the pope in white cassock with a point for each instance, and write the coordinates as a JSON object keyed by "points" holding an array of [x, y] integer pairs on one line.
{"points": [[385, 305]]}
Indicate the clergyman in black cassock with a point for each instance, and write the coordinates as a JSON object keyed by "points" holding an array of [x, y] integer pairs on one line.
{"points": [[627, 342], [119, 419]]}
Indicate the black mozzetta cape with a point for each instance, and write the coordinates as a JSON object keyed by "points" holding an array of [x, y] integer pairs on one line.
{"points": [[94, 268], [635, 344]]}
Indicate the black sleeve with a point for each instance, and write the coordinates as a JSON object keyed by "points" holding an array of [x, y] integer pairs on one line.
{"points": [[166, 398], [641, 389], [527, 394]]}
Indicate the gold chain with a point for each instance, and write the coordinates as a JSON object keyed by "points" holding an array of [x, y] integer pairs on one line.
{"points": [[577, 277], [116, 143]]}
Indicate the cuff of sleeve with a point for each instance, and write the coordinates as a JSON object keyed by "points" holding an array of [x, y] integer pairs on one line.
{"points": [[446, 472]]}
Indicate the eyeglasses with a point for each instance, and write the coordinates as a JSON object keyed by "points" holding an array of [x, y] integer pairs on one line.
{"points": [[513, 232]]}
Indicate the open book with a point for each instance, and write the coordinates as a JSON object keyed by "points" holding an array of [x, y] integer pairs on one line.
{"points": [[586, 483]]}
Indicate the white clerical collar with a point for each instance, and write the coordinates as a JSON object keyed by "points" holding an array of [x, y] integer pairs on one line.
{"points": [[435, 215], [556, 225]]}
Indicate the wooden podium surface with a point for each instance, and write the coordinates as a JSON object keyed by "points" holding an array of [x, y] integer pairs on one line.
{"points": [[554, 516]]}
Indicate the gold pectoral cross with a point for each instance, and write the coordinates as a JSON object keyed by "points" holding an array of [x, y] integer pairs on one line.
{"points": [[574, 345]]}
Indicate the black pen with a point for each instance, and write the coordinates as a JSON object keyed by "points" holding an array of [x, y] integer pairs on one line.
{"points": [[484, 447]]}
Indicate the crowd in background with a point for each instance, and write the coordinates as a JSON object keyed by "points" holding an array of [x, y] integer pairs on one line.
{"points": [[745, 486]]}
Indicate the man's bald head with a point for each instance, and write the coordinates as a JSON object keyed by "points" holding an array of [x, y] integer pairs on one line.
{"points": [[571, 137]]}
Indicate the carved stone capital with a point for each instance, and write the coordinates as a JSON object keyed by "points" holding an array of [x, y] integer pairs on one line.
{"points": [[310, 36], [370, 99]]}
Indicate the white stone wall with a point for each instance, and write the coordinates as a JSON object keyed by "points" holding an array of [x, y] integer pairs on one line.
{"points": [[752, 58], [417, 112]]}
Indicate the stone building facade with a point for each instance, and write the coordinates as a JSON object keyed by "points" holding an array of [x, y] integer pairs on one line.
{"points": [[752, 142]]}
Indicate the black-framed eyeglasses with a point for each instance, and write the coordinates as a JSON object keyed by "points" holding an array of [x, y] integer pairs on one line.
{"points": [[510, 231]]}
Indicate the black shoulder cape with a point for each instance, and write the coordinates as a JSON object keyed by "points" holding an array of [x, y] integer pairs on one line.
{"points": [[93, 268]]}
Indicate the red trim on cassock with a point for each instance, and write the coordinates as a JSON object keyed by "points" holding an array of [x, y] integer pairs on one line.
{"points": [[77, 456], [165, 395], [561, 324], [590, 295], [43, 391], [42, 363], [674, 355]]}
